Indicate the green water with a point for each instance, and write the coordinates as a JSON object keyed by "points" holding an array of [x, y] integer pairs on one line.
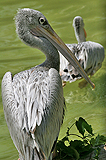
{"points": [[16, 56]]}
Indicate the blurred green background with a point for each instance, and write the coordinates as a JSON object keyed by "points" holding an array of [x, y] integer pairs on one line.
{"points": [[15, 56]]}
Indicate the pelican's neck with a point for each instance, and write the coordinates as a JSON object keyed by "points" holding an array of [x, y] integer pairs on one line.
{"points": [[51, 53], [80, 34]]}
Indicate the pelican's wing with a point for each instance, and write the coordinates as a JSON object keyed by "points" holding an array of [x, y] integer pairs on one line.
{"points": [[11, 108], [93, 56], [63, 61], [67, 71], [27, 96]]}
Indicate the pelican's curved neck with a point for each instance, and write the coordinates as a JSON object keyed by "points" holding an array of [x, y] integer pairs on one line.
{"points": [[80, 34], [51, 53]]}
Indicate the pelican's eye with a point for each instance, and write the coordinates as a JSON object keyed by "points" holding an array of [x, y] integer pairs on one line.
{"points": [[42, 21]]}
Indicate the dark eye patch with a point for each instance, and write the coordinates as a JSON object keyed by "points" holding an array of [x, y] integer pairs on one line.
{"points": [[42, 21]]}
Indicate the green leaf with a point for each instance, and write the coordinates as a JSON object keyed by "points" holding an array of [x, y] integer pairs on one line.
{"points": [[102, 139], [81, 125], [76, 144], [73, 152], [66, 151], [93, 141], [81, 148]]}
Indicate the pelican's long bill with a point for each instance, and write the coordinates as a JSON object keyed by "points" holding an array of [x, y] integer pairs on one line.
{"points": [[50, 34]]}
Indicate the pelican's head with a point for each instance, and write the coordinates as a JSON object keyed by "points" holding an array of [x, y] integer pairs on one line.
{"points": [[80, 32], [35, 25], [28, 22], [78, 22]]}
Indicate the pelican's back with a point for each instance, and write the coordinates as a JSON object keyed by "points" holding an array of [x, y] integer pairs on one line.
{"points": [[33, 106]]}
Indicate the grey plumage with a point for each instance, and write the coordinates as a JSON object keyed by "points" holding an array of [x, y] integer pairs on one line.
{"points": [[89, 54], [33, 96], [33, 99]]}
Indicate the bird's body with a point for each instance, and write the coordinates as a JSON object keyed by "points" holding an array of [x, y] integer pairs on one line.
{"points": [[33, 99], [33, 109], [89, 54]]}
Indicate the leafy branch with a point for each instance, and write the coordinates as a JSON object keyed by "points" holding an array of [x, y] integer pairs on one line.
{"points": [[67, 149]]}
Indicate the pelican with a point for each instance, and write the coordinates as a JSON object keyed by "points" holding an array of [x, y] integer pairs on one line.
{"points": [[89, 54], [33, 99]]}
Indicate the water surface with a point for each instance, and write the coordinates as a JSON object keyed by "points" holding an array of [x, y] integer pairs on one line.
{"points": [[16, 56]]}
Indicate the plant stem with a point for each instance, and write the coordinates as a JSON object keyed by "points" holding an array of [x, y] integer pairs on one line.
{"points": [[75, 135]]}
